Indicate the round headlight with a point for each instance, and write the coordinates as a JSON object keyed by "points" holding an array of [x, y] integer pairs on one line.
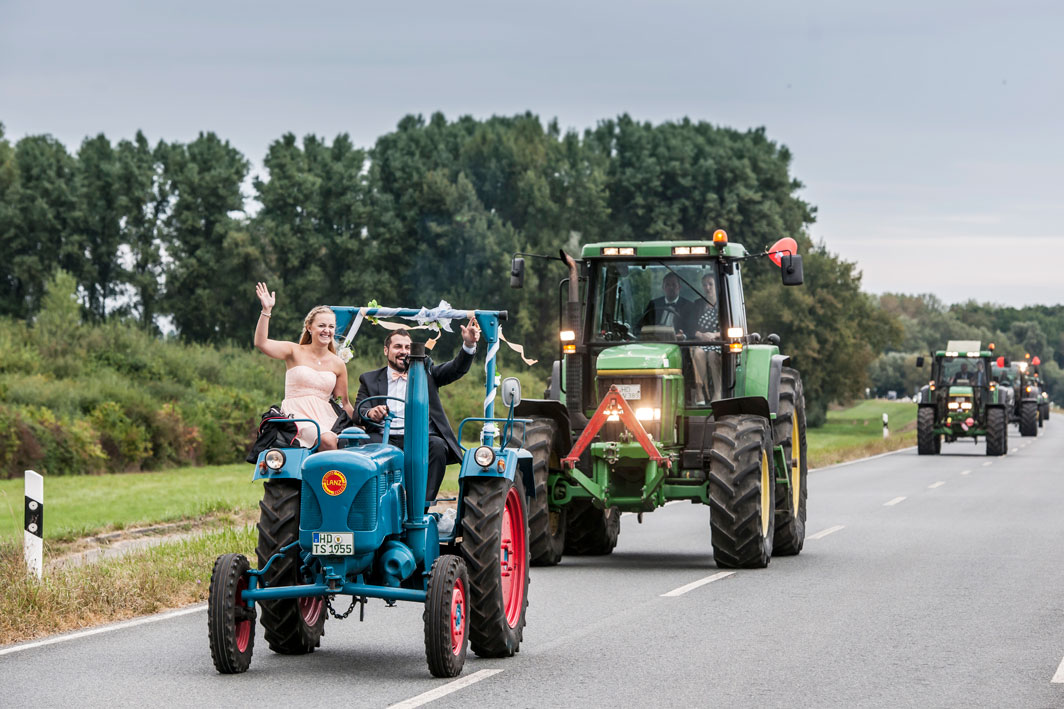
{"points": [[484, 456], [274, 459]]}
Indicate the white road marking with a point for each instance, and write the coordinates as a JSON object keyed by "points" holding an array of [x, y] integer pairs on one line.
{"points": [[940, 483], [862, 460], [695, 584], [826, 532], [1058, 677], [893, 502], [987, 463], [434, 694], [105, 629], [965, 472]]}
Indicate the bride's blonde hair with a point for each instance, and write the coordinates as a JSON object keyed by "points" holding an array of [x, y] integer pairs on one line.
{"points": [[305, 338]]}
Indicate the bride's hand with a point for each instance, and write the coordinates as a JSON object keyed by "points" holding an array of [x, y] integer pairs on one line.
{"points": [[265, 297]]}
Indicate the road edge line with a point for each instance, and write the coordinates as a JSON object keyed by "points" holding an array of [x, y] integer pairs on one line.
{"points": [[434, 694]]}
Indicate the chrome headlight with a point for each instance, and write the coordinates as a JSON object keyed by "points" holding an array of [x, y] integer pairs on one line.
{"points": [[274, 459], [484, 456]]}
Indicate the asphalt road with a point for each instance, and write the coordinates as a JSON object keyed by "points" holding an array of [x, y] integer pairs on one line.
{"points": [[925, 582]]}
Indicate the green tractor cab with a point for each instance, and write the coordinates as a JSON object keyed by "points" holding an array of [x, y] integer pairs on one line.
{"points": [[661, 393], [963, 399]]}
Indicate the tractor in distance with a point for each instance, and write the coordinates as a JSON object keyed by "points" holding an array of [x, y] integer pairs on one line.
{"points": [[652, 401], [353, 522], [1032, 401], [962, 400]]}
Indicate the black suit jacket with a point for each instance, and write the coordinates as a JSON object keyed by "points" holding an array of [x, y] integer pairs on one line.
{"points": [[656, 309], [375, 383]]}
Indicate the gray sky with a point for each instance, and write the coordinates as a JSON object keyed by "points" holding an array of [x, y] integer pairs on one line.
{"points": [[930, 135]]}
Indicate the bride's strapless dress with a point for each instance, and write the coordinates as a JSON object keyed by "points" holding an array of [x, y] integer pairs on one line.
{"points": [[306, 395]]}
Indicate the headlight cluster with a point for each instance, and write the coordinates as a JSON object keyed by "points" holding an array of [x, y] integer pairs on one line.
{"points": [[959, 404], [484, 456], [274, 459]]}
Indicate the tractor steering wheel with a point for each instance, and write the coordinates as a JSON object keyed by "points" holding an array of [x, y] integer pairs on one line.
{"points": [[360, 413]]}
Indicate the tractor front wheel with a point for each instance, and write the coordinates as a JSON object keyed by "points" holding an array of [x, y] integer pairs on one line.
{"points": [[927, 443], [446, 616], [230, 622], [546, 526], [291, 626], [1029, 418], [591, 531], [495, 548], [742, 487], [997, 432], [789, 431]]}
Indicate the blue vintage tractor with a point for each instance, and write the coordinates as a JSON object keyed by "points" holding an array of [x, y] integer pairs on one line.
{"points": [[353, 522]]}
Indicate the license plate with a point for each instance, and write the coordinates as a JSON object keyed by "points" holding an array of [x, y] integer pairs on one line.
{"points": [[629, 392], [333, 544]]}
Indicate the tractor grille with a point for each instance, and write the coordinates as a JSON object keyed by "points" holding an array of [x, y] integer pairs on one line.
{"points": [[309, 509], [650, 396], [363, 514]]}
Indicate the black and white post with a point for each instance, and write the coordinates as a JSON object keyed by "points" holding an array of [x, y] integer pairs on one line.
{"points": [[886, 431], [34, 534]]}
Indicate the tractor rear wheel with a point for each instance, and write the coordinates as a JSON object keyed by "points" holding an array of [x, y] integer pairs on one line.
{"points": [[1029, 418], [742, 485], [446, 616], [789, 431], [1043, 414], [591, 531], [291, 626], [495, 548], [927, 443], [546, 526], [997, 432], [230, 623]]}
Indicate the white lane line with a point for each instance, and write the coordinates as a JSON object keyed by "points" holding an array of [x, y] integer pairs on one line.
{"points": [[893, 502], [105, 629], [987, 463], [826, 532], [434, 694], [940, 483], [966, 472], [862, 460], [695, 584], [1058, 678]]}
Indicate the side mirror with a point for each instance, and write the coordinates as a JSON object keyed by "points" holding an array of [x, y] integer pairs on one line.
{"points": [[919, 361], [510, 389], [791, 269], [517, 272]]}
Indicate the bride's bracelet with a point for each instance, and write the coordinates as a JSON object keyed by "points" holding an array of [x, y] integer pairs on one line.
{"points": [[263, 312]]}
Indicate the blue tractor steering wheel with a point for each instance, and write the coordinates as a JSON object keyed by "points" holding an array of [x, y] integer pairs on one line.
{"points": [[363, 409]]}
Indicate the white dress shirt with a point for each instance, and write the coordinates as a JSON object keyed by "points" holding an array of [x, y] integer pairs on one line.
{"points": [[397, 388]]}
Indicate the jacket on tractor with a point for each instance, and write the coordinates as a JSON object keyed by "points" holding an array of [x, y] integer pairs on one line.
{"points": [[353, 522], [661, 393], [963, 399]]}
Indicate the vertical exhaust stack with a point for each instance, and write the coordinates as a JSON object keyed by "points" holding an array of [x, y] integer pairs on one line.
{"points": [[416, 434]]}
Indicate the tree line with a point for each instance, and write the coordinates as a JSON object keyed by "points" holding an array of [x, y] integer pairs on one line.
{"points": [[433, 210]]}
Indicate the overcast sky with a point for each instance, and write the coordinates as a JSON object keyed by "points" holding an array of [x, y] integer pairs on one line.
{"points": [[929, 135]]}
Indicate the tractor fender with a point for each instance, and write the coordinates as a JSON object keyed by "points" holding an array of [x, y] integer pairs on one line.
{"points": [[291, 470], [549, 409], [756, 405], [516, 461], [775, 373]]}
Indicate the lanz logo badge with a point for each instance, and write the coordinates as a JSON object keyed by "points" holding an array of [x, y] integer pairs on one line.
{"points": [[334, 482]]}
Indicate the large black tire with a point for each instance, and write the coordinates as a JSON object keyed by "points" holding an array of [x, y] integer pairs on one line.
{"points": [[493, 518], [791, 498], [591, 531], [291, 626], [997, 432], [546, 526], [927, 443], [1043, 414], [446, 617], [230, 623], [741, 491], [1029, 418]]}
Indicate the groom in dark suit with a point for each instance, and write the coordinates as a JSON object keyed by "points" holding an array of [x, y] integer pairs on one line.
{"points": [[670, 310], [391, 381]]}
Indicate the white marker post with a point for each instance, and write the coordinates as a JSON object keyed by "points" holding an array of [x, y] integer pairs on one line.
{"points": [[886, 431], [34, 534]]}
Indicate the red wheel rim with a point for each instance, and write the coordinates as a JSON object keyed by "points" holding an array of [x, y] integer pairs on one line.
{"points": [[310, 609], [512, 557], [243, 627], [458, 617]]}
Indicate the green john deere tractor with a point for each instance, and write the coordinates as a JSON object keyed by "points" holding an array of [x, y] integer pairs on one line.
{"points": [[962, 400], [661, 393], [1032, 401]]}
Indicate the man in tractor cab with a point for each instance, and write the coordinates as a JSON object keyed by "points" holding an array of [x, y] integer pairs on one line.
{"points": [[668, 311], [962, 375]]}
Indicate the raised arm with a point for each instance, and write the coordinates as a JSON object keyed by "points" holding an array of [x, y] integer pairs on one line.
{"points": [[271, 348]]}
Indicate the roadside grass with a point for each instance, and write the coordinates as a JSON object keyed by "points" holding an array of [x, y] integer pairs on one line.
{"points": [[139, 583], [857, 432]]}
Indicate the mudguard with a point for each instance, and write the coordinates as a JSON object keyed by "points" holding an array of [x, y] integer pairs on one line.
{"points": [[757, 405], [514, 461]]}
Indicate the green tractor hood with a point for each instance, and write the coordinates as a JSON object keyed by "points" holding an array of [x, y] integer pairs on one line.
{"points": [[960, 391], [640, 356]]}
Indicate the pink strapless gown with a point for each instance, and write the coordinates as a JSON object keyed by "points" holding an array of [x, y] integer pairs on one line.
{"points": [[306, 395]]}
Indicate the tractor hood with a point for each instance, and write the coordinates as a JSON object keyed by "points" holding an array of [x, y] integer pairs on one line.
{"points": [[960, 391], [640, 356]]}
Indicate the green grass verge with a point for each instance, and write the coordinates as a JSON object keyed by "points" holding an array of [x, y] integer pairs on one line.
{"points": [[857, 432]]}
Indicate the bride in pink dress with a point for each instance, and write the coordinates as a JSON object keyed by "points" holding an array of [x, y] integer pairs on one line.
{"points": [[315, 372]]}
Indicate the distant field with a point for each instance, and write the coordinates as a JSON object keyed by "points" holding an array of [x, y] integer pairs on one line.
{"points": [[77, 506]]}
